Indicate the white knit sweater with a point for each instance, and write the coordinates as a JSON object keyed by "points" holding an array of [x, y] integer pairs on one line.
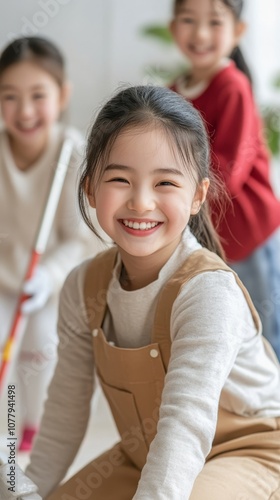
{"points": [[22, 198]]}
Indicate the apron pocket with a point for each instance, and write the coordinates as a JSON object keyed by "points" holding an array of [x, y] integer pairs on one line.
{"points": [[124, 410]]}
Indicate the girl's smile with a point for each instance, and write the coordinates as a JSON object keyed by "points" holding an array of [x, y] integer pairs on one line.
{"points": [[28, 129], [140, 227]]}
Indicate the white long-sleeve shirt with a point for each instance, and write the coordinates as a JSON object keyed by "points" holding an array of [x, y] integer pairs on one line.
{"points": [[22, 198], [217, 357]]}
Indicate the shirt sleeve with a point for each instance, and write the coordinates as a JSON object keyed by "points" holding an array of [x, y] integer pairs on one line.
{"points": [[237, 138], [207, 330], [67, 408]]}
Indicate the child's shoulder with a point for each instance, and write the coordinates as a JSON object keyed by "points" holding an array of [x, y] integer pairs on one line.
{"points": [[99, 268], [232, 78], [228, 81], [89, 269], [104, 256]]}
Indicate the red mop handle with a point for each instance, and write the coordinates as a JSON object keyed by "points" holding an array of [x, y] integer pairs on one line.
{"points": [[39, 248], [8, 349]]}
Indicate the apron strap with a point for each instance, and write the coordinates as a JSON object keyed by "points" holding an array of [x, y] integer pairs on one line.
{"points": [[97, 278], [198, 262], [99, 273]]}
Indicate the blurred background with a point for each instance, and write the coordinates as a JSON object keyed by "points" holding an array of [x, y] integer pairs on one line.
{"points": [[108, 43], [104, 44]]}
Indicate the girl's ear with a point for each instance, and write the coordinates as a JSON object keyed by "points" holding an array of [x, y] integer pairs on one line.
{"points": [[240, 28], [200, 196], [65, 94], [90, 196]]}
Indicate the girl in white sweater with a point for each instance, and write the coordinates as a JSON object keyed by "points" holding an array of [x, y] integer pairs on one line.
{"points": [[167, 327], [33, 94]]}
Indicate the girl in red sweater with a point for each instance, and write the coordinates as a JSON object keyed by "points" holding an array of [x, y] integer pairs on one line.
{"points": [[208, 33]]}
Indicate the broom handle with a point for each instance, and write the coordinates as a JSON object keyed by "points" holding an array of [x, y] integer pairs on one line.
{"points": [[39, 248]]}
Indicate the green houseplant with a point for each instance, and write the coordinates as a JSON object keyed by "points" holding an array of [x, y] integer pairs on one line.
{"points": [[271, 117]]}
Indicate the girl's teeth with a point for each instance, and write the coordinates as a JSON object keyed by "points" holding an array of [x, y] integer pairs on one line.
{"points": [[140, 225], [25, 127]]}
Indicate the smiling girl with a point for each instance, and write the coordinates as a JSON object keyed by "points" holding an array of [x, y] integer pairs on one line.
{"points": [[33, 94], [164, 324], [218, 84]]}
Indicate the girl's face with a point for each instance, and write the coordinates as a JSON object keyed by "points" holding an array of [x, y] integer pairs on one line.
{"points": [[206, 31], [146, 196], [31, 101]]}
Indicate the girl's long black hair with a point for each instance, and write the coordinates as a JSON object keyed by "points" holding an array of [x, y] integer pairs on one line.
{"points": [[144, 107]]}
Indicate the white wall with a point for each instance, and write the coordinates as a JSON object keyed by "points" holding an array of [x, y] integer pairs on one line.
{"points": [[100, 39], [262, 46], [103, 47]]}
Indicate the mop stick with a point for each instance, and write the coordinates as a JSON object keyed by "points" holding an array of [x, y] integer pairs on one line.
{"points": [[38, 250]]}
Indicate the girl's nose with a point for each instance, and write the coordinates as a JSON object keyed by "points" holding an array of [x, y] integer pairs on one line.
{"points": [[141, 201], [25, 108], [201, 31]]}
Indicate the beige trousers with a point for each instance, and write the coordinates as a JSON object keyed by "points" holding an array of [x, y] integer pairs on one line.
{"points": [[249, 474]]}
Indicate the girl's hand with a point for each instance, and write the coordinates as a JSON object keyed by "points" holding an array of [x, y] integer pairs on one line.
{"points": [[25, 488], [39, 288]]}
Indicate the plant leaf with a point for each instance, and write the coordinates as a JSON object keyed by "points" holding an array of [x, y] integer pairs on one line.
{"points": [[158, 32]]}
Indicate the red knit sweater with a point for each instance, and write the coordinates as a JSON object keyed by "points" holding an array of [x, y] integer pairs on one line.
{"points": [[240, 157]]}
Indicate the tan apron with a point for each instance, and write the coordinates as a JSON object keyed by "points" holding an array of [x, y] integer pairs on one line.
{"points": [[132, 381]]}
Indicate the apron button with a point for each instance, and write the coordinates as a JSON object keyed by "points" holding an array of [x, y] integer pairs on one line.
{"points": [[153, 353], [95, 332]]}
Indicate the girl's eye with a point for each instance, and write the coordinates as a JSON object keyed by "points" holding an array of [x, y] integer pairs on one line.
{"points": [[186, 20], [118, 179], [216, 22], [39, 96], [166, 183], [9, 97]]}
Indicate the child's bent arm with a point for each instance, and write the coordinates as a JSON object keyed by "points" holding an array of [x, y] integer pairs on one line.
{"points": [[205, 323], [68, 405]]}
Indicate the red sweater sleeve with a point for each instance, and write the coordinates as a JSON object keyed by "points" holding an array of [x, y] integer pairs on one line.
{"points": [[237, 138]]}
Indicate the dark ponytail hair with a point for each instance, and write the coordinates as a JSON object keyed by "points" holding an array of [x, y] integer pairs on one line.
{"points": [[238, 58], [38, 50], [236, 7], [144, 107]]}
